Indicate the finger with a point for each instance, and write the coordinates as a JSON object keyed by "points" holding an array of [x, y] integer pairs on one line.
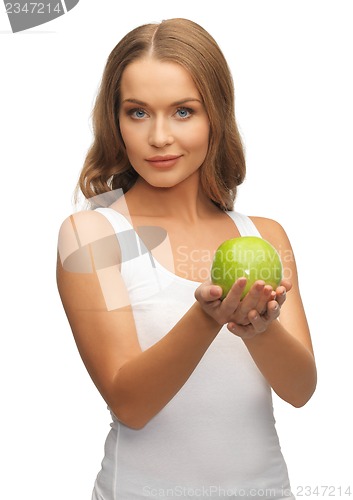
{"points": [[267, 295], [258, 322], [245, 332], [233, 297], [252, 298], [287, 284], [272, 311], [281, 295], [261, 322], [249, 302], [208, 293]]}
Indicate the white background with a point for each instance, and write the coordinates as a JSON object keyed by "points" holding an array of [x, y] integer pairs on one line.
{"points": [[291, 62]]}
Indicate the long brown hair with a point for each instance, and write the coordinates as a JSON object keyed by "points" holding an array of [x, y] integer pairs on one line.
{"points": [[107, 167]]}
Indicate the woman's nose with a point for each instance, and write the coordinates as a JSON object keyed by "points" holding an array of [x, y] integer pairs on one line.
{"points": [[160, 134]]}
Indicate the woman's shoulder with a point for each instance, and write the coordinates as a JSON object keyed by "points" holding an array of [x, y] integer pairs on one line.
{"points": [[271, 230], [86, 232], [266, 224], [86, 223]]}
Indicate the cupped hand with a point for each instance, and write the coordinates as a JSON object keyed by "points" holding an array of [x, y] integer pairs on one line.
{"points": [[248, 317], [209, 297], [259, 308]]}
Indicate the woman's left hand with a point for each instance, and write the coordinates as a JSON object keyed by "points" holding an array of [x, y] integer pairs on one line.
{"points": [[258, 309]]}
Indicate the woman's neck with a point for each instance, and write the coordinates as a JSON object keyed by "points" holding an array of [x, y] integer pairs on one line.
{"points": [[185, 201]]}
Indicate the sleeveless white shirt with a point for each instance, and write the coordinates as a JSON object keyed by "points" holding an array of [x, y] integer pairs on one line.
{"points": [[216, 438]]}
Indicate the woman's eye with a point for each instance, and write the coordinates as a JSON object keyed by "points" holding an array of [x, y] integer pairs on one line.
{"points": [[137, 113], [184, 112]]}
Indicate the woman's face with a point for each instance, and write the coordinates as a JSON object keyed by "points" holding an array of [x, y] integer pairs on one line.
{"points": [[163, 122]]}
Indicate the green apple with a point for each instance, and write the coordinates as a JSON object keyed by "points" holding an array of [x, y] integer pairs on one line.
{"points": [[248, 256]]}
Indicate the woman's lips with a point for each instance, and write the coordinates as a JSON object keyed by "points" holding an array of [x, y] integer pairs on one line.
{"points": [[163, 161]]}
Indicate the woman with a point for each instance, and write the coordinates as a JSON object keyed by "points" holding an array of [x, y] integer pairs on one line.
{"points": [[187, 376]]}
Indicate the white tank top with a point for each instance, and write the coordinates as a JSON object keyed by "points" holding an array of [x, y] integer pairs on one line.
{"points": [[216, 438]]}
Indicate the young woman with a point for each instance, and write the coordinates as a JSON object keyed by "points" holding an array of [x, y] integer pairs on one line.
{"points": [[187, 376]]}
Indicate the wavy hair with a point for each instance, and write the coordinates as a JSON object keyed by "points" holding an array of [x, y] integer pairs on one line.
{"points": [[107, 167]]}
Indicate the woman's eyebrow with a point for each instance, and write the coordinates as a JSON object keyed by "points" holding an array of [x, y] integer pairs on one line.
{"points": [[135, 101], [176, 103], [184, 101]]}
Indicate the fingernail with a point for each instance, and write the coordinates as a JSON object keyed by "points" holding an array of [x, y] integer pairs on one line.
{"points": [[216, 292], [242, 282]]}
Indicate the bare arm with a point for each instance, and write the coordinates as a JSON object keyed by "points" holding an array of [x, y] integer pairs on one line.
{"points": [[285, 362], [136, 385], [283, 351]]}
